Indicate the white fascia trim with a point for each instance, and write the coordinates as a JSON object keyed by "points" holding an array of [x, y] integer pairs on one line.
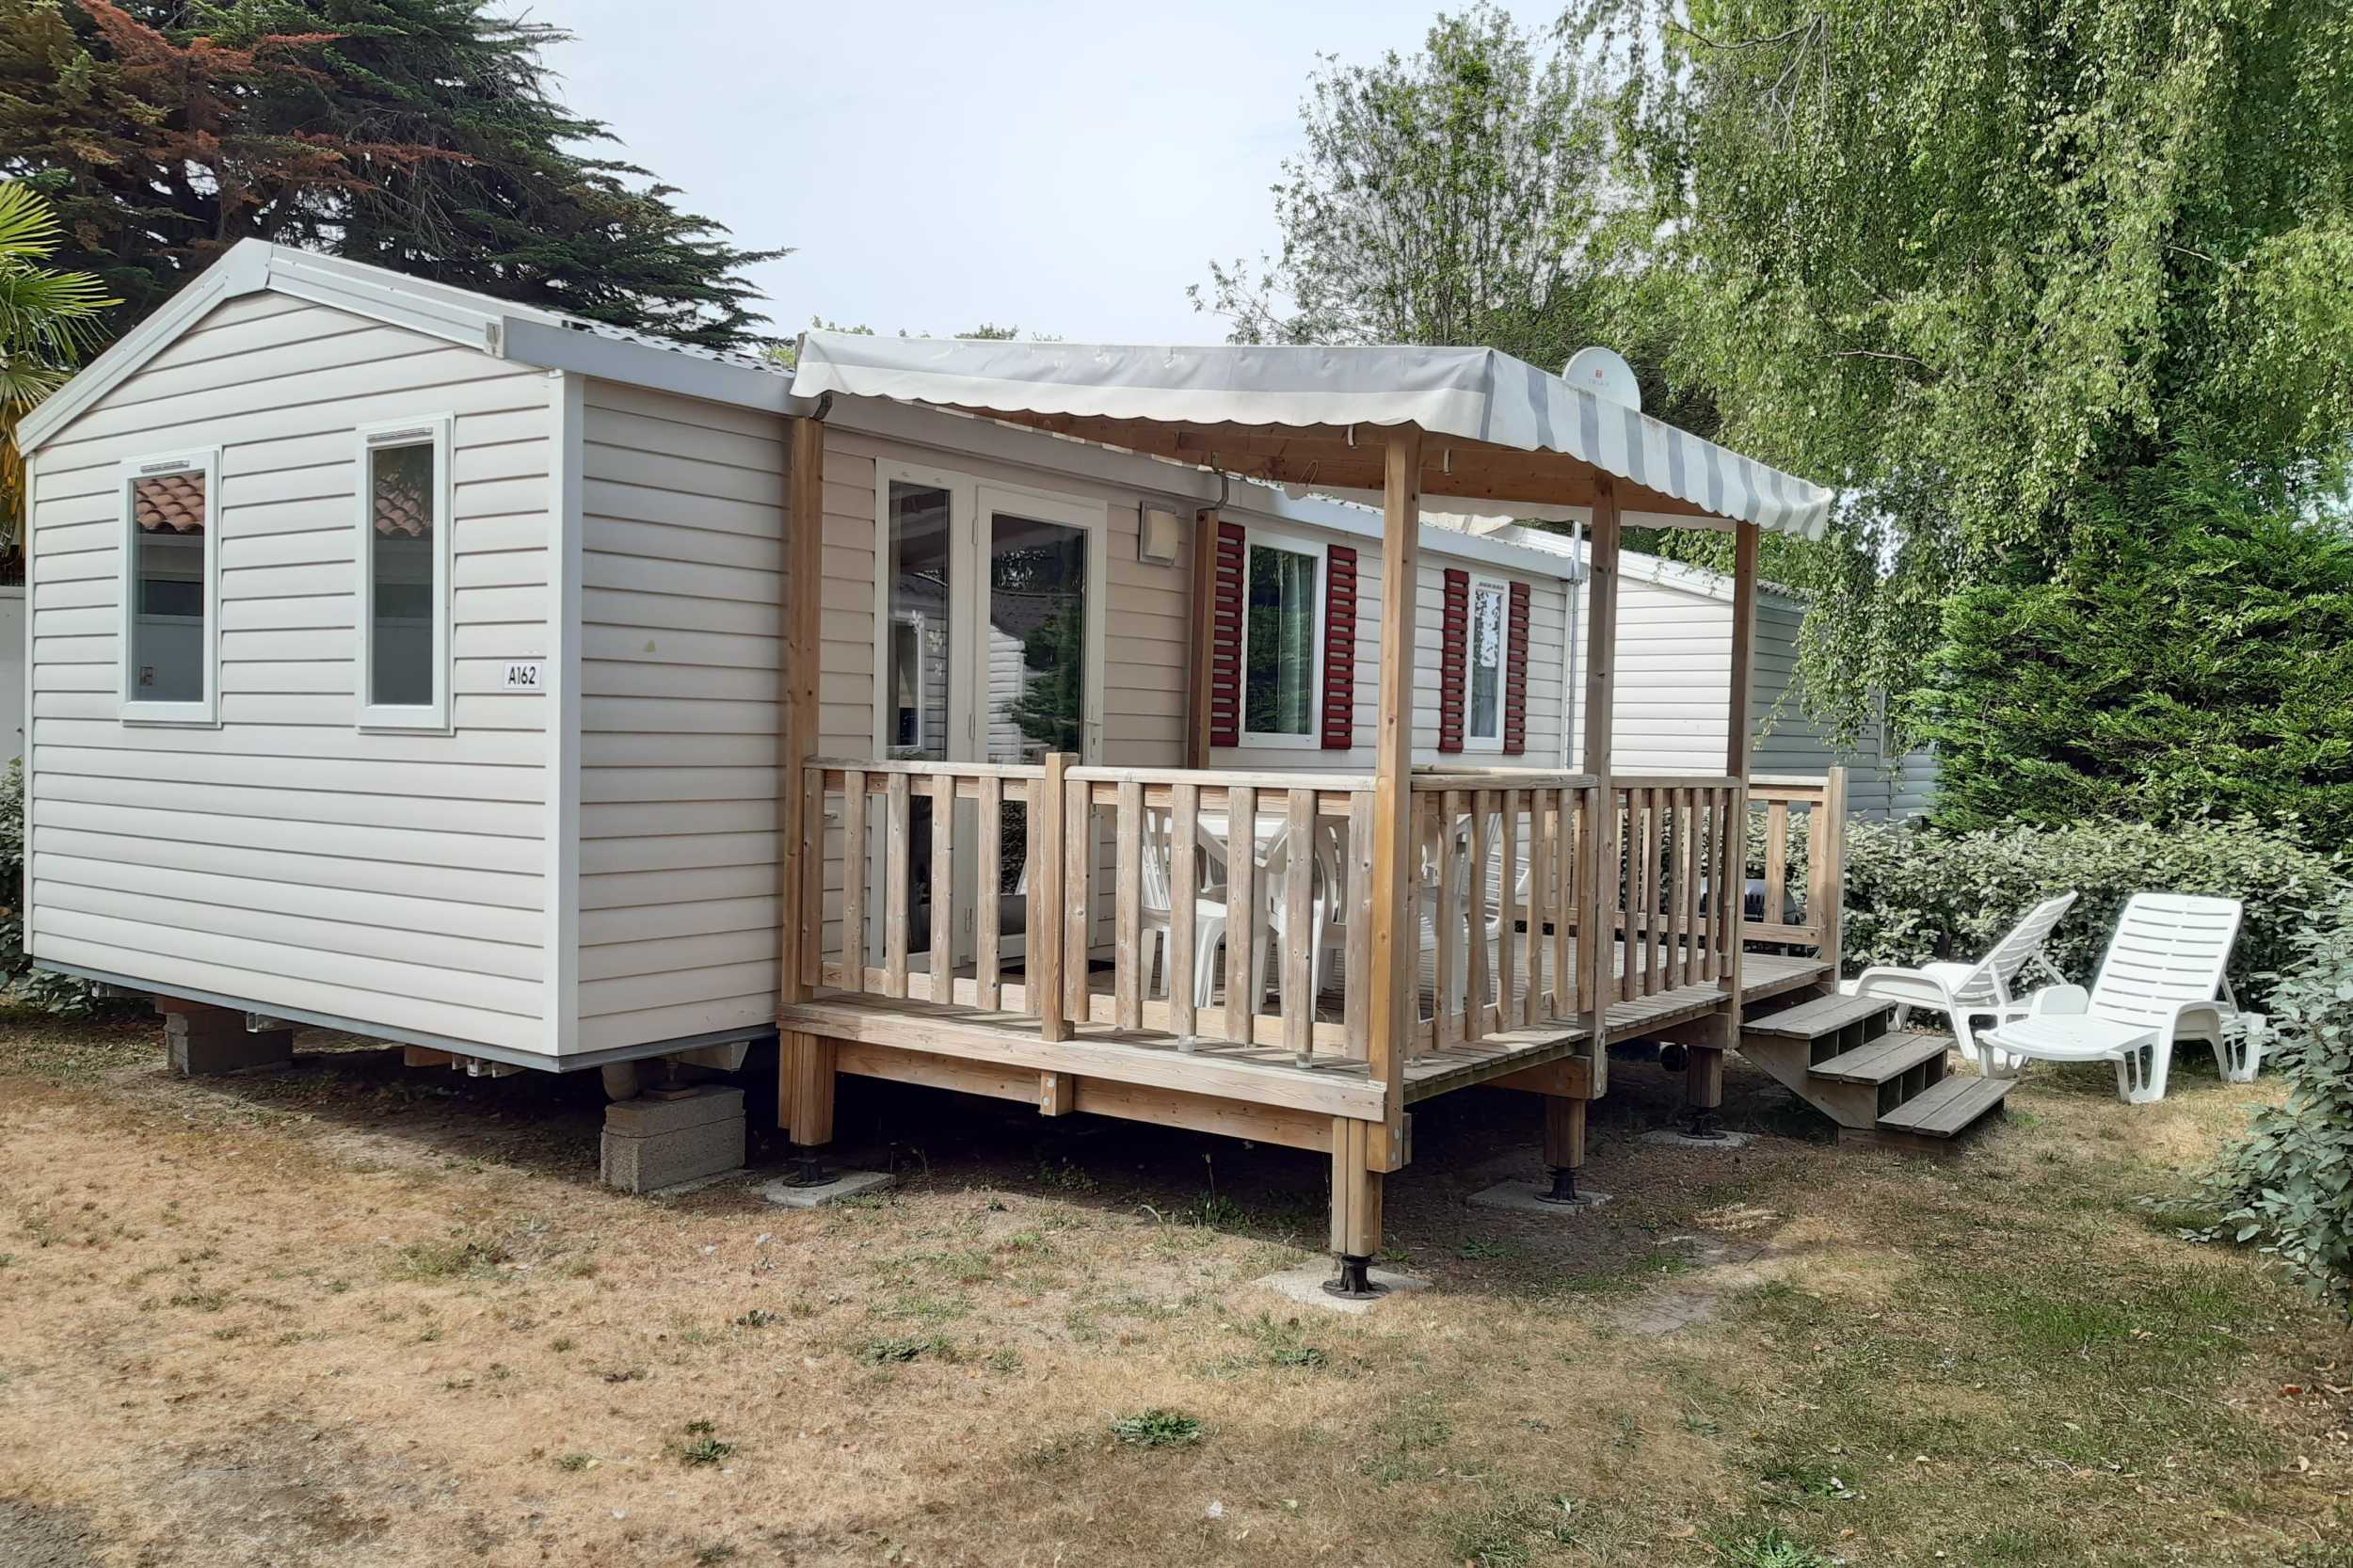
{"points": [[553, 346], [963, 435], [243, 270]]}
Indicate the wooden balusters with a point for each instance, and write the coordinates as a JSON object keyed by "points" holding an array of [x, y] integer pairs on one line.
{"points": [[1299, 934], [1184, 823], [1128, 904], [1245, 927], [989, 858]]}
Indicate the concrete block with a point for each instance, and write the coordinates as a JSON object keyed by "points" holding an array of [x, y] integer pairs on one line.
{"points": [[194, 1053], [651, 1115], [1304, 1287], [1519, 1197], [846, 1184], [652, 1143]]}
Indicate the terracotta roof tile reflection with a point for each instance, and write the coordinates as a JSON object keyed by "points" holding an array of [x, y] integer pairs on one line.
{"points": [[174, 504], [169, 502]]}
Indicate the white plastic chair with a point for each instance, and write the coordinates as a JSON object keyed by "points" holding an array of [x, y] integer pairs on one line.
{"points": [[1157, 902], [1967, 992], [2163, 970], [1456, 900], [1325, 882]]}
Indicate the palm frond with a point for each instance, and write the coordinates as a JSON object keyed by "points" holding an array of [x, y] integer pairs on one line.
{"points": [[29, 228]]}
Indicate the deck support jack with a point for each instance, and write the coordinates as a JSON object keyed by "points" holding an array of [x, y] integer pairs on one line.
{"points": [[806, 1166], [1563, 1190], [1355, 1282], [1703, 1123]]}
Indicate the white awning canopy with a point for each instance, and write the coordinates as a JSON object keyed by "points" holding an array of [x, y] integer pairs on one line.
{"points": [[1496, 428]]}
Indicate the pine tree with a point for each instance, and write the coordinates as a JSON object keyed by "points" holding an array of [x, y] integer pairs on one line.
{"points": [[2190, 657], [418, 134]]}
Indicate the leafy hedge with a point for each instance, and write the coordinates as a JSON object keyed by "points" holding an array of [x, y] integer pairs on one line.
{"points": [[1915, 895], [2287, 1186]]}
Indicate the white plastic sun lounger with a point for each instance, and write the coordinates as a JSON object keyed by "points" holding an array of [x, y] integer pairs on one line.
{"points": [[2160, 981], [1965, 993]]}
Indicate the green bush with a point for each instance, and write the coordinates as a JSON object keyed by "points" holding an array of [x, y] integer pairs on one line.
{"points": [[18, 980], [1915, 895], [2287, 1186], [2191, 657]]}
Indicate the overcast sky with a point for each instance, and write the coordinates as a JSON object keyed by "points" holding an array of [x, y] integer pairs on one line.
{"points": [[1064, 167]]}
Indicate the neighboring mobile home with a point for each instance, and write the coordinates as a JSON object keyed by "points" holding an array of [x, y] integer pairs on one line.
{"points": [[418, 664], [1675, 661]]}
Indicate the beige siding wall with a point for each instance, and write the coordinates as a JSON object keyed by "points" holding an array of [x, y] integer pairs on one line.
{"points": [[682, 528], [282, 856]]}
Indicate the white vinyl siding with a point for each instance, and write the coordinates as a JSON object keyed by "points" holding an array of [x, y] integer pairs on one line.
{"points": [[682, 530], [282, 856], [1674, 670]]}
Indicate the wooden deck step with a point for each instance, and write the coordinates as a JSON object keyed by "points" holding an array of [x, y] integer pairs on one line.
{"points": [[1889, 1056], [1811, 1020], [1947, 1108]]}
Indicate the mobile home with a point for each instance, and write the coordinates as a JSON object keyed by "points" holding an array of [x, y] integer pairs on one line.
{"points": [[540, 694]]}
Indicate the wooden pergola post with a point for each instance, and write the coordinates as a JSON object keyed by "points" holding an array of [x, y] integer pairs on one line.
{"points": [[805, 1065], [1597, 919], [1362, 1151], [1703, 1067]]}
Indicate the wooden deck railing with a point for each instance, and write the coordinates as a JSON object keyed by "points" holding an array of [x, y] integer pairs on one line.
{"points": [[1100, 862], [1103, 896], [1505, 860], [1674, 838], [1798, 912]]}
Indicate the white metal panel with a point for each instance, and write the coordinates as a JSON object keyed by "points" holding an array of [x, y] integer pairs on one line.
{"points": [[280, 856], [680, 717]]}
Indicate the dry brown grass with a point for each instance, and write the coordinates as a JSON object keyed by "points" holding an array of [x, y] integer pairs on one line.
{"points": [[348, 1316]]}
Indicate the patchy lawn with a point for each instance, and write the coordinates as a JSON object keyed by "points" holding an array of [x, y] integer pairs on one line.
{"points": [[357, 1315]]}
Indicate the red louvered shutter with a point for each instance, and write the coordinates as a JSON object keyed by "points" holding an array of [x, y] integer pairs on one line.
{"points": [[1453, 659], [1339, 647], [1515, 675], [1225, 674]]}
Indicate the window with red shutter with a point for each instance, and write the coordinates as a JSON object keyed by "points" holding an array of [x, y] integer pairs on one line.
{"points": [[1453, 658], [1225, 622], [1515, 675], [1339, 647]]}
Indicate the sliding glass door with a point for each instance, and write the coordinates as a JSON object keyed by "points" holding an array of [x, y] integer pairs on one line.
{"points": [[989, 637]]}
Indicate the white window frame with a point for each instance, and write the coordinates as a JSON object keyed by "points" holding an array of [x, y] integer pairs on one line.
{"points": [[1472, 739], [1297, 544], [131, 709], [434, 430]]}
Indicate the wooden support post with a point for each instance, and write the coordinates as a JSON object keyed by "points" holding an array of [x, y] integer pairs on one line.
{"points": [[1042, 984], [1597, 920], [1057, 1094], [800, 911], [804, 1085], [1355, 1189], [1826, 871], [1564, 1133], [1703, 1071], [1396, 964], [1735, 886], [1200, 637]]}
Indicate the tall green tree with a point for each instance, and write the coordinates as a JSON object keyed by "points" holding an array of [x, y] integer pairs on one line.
{"points": [[48, 319], [2191, 655], [1979, 264], [420, 135], [1453, 196]]}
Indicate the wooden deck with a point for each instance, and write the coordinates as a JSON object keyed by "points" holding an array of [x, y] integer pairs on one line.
{"points": [[1322, 1087]]}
